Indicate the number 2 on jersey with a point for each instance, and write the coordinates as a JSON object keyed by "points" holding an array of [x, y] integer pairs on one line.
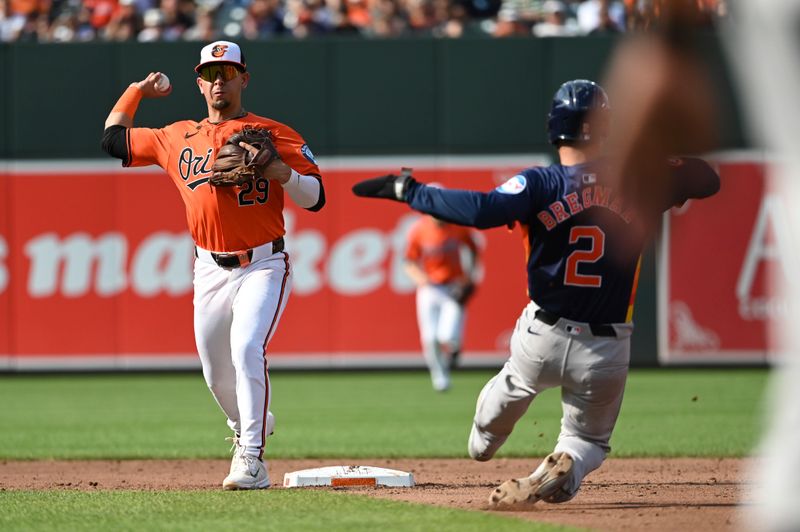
{"points": [[598, 240]]}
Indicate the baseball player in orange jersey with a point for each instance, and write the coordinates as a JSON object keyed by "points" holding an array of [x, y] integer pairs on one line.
{"points": [[242, 275], [433, 259]]}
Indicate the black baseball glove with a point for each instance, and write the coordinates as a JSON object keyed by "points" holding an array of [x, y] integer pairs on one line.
{"points": [[390, 186], [462, 292], [235, 166]]}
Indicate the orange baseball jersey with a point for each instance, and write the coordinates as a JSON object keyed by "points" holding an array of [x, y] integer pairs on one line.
{"points": [[221, 219], [436, 248]]}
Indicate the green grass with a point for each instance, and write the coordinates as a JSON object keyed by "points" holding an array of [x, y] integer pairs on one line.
{"points": [[326, 415], [268, 510], [714, 413], [365, 415]]}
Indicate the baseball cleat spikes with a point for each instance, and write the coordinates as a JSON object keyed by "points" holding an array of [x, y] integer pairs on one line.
{"points": [[548, 478]]}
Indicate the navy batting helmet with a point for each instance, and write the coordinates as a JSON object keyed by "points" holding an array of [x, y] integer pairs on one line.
{"points": [[566, 121]]}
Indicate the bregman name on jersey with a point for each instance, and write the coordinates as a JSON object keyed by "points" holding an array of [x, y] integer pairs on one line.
{"points": [[591, 196]]}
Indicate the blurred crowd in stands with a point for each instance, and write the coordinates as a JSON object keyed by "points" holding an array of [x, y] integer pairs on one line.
{"points": [[207, 20]]}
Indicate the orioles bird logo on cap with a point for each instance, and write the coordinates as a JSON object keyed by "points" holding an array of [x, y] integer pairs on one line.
{"points": [[219, 50]]}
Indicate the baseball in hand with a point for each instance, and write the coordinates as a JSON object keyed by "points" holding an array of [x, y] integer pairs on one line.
{"points": [[162, 83]]}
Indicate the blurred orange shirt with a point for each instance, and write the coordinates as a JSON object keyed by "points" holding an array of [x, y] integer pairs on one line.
{"points": [[436, 248], [221, 219], [26, 7]]}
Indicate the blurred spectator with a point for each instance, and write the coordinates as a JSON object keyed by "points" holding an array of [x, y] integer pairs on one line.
{"points": [[606, 26], [557, 22], [124, 24], [35, 28], [264, 20], [204, 28], [30, 7], [481, 9], [386, 19], [101, 12], [340, 21], [420, 15], [358, 14], [10, 23], [84, 30], [517, 17], [178, 17], [206, 20], [601, 16], [143, 5], [634, 14], [455, 21], [440, 14], [305, 18], [153, 22], [63, 28]]}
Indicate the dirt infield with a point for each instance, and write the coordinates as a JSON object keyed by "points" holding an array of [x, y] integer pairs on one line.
{"points": [[624, 494]]}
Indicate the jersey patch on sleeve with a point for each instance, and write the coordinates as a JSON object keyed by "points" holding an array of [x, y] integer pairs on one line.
{"points": [[515, 185], [306, 151]]}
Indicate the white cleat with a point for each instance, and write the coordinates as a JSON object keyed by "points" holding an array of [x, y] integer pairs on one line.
{"points": [[441, 386], [543, 483], [247, 473]]}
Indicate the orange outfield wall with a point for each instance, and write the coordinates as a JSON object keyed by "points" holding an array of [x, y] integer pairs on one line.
{"points": [[95, 267], [95, 272]]}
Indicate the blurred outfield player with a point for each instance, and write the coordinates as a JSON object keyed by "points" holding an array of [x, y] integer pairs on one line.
{"points": [[583, 240], [242, 275], [436, 262]]}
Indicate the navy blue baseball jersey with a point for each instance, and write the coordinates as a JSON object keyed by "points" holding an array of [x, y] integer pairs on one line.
{"points": [[583, 242]]}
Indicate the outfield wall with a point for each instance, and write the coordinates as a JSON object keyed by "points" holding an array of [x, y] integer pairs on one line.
{"points": [[717, 261], [95, 271], [348, 96]]}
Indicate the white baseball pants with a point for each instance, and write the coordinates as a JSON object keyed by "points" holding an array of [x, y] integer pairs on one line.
{"points": [[441, 322], [236, 313], [591, 372]]}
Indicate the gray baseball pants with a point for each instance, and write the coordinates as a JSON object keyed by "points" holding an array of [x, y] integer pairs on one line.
{"points": [[591, 372]]}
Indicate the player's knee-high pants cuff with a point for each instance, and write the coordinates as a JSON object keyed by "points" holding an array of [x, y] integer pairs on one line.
{"points": [[483, 445], [587, 457]]}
